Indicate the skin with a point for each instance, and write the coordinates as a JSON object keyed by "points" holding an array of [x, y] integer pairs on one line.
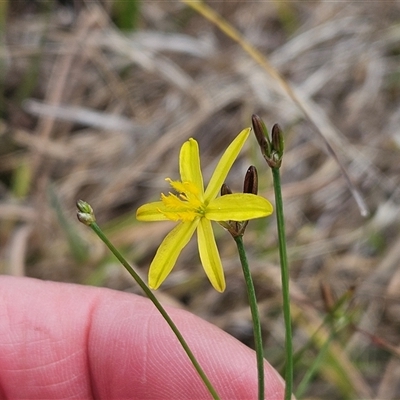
{"points": [[60, 341]]}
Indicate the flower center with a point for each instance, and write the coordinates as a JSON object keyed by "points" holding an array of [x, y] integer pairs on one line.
{"points": [[186, 206]]}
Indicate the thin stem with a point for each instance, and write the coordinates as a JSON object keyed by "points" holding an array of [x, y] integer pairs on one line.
{"points": [[285, 282], [254, 314], [159, 307]]}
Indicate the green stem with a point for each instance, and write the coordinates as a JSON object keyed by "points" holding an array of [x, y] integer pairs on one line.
{"points": [[254, 314], [285, 282], [159, 307]]}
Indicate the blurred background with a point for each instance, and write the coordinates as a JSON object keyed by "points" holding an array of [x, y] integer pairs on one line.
{"points": [[96, 99]]}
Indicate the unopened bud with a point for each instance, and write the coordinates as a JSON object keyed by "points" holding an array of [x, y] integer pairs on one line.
{"points": [[251, 181], [85, 213], [261, 132], [84, 207], [225, 189], [278, 143]]}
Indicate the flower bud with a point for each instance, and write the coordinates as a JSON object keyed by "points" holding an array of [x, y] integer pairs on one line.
{"points": [[85, 213], [225, 189], [261, 133], [251, 181], [278, 143]]}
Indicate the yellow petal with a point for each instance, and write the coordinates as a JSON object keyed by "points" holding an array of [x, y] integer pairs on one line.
{"points": [[238, 207], [189, 165], [168, 252], [152, 212], [209, 255], [225, 164]]}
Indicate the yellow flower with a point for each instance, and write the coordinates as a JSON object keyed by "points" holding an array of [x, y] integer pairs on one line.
{"points": [[196, 208]]}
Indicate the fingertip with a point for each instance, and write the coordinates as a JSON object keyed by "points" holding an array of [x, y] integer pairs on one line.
{"points": [[71, 340]]}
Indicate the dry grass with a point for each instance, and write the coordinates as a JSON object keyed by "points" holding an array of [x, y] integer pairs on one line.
{"points": [[94, 113]]}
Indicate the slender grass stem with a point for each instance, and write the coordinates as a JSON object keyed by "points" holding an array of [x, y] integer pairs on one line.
{"points": [[285, 282], [159, 307], [255, 315]]}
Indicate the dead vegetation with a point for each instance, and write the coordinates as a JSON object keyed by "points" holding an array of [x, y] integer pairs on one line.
{"points": [[90, 111]]}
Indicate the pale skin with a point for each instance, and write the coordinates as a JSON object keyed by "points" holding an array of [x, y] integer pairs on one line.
{"points": [[60, 341]]}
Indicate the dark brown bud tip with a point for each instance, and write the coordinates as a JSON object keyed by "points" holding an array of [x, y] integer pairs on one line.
{"points": [[261, 132], [251, 181], [278, 143], [225, 190]]}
